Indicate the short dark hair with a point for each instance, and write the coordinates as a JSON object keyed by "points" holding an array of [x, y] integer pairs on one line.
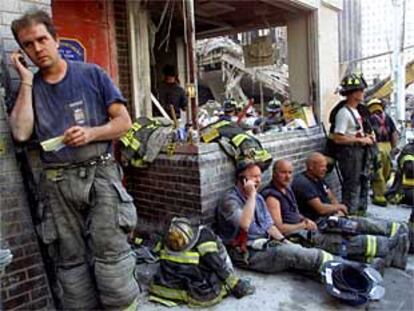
{"points": [[169, 70], [30, 18], [243, 166]]}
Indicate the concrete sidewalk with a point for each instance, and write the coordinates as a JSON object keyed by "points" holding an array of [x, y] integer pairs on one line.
{"points": [[293, 292]]}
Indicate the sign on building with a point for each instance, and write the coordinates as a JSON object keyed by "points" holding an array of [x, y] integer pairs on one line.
{"points": [[72, 49]]}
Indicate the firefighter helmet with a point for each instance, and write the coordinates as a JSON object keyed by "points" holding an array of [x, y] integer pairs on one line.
{"points": [[181, 235], [352, 82], [354, 284], [375, 105], [229, 105]]}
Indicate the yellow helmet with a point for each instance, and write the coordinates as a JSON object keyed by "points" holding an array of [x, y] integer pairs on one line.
{"points": [[181, 235], [374, 105]]}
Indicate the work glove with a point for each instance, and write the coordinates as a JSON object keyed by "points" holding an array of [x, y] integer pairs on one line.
{"points": [[243, 288]]}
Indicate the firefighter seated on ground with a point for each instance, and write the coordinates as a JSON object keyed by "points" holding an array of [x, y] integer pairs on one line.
{"points": [[249, 234], [350, 241], [193, 268], [317, 202], [386, 137]]}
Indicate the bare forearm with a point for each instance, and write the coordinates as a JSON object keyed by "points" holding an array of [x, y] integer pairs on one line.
{"points": [[332, 198], [114, 129], [22, 116], [275, 233], [287, 229], [345, 139], [248, 213]]}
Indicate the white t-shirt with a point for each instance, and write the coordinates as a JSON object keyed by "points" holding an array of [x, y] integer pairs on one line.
{"points": [[345, 123]]}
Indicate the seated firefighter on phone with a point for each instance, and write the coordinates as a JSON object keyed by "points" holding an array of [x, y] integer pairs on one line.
{"points": [[249, 234]]}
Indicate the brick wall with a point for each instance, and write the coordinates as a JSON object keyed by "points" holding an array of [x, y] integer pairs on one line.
{"points": [[24, 286], [192, 183], [122, 46]]}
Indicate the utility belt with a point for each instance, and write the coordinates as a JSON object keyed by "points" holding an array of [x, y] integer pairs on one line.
{"points": [[103, 159], [54, 171]]}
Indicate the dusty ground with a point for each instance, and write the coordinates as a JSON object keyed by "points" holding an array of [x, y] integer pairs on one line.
{"points": [[292, 292]]}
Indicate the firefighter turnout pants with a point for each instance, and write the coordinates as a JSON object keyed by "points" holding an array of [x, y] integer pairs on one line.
{"points": [[350, 161], [357, 247], [372, 238], [279, 257], [87, 214], [379, 184]]}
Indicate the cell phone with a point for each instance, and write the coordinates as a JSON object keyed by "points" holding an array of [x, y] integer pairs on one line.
{"points": [[243, 179], [22, 60]]}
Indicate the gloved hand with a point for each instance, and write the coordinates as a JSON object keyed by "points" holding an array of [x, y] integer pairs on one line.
{"points": [[243, 288]]}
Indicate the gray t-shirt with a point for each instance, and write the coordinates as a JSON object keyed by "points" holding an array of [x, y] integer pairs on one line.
{"points": [[345, 123], [229, 214]]}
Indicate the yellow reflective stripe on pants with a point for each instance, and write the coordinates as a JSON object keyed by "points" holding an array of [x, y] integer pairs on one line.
{"points": [[181, 295], [372, 246], [239, 138], [231, 281], [132, 306], [165, 302], [198, 303], [169, 293], [184, 257], [207, 247], [407, 157], [394, 228], [325, 258], [407, 181]]}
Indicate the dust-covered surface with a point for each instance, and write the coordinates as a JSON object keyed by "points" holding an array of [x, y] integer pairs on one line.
{"points": [[293, 292]]}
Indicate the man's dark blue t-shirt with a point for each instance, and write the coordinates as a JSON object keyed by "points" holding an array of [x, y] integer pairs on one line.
{"points": [[81, 98], [305, 189]]}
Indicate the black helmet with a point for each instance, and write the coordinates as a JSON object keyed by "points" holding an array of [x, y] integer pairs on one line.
{"points": [[352, 82], [229, 105], [354, 284]]}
